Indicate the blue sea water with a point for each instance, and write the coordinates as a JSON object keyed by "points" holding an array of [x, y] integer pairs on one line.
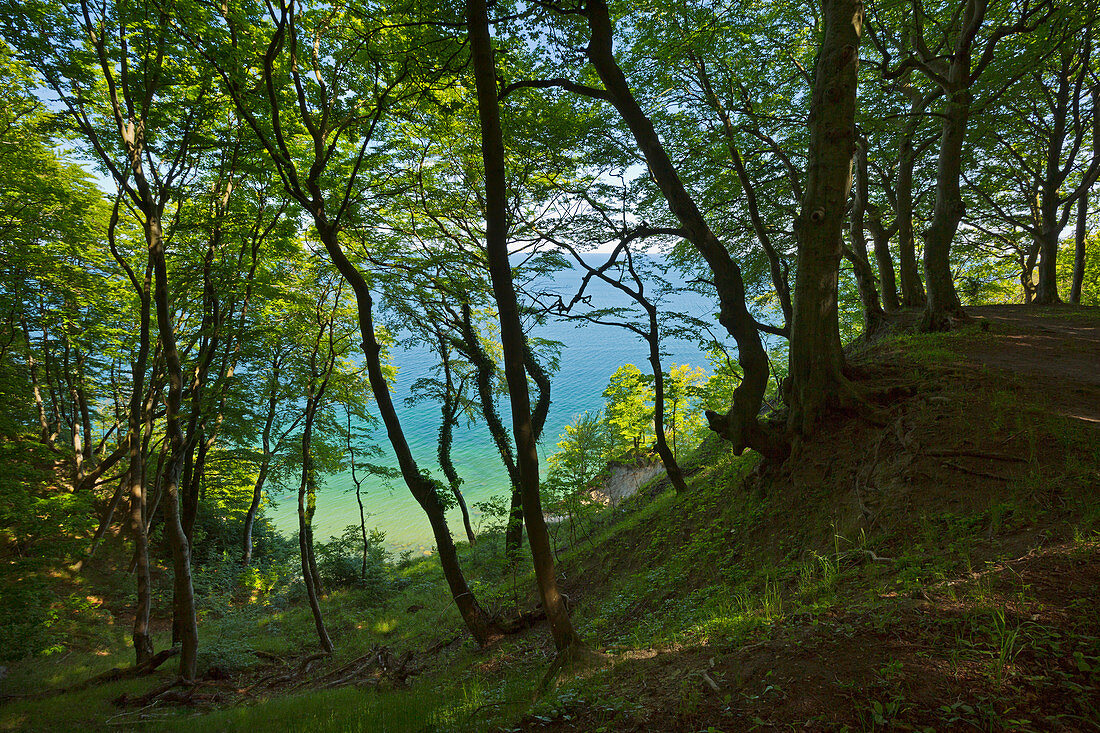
{"points": [[590, 354]]}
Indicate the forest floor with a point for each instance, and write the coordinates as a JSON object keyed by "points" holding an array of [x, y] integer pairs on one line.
{"points": [[934, 565]]}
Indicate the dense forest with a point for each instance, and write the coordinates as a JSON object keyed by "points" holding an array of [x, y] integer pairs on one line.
{"points": [[220, 220]]}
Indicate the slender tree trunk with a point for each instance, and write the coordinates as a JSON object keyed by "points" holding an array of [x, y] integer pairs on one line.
{"points": [[873, 315], [816, 359], [143, 642], [448, 416], [484, 368], [511, 329], [253, 509], [108, 516], [478, 622], [912, 289], [778, 269], [1079, 238], [36, 391], [185, 623], [668, 457], [888, 283], [306, 505]]}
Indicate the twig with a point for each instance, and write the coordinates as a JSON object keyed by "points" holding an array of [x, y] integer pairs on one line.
{"points": [[972, 472], [974, 454]]}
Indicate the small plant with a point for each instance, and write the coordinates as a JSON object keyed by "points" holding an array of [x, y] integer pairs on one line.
{"points": [[1006, 645]]}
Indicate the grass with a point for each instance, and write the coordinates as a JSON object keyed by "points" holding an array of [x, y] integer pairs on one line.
{"points": [[755, 584]]}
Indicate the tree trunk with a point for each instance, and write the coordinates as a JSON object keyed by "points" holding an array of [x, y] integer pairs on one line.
{"points": [[873, 315], [885, 262], [135, 477], [185, 623], [668, 457], [481, 627], [912, 289], [816, 359], [253, 509], [307, 501], [449, 412], [943, 305], [1079, 237], [512, 338], [1050, 229], [741, 425], [776, 265], [484, 367]]}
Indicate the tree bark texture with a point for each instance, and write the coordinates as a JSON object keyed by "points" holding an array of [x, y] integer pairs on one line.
{"points": [[816, 359]]}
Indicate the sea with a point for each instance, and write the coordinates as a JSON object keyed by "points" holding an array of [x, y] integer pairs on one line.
{"points": [[589, 355]]}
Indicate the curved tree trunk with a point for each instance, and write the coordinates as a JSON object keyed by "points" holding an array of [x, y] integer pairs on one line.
{"points": [[449, 415], [478, 622], [816, 359], [668, 457], [741, 426], [484, 368]]}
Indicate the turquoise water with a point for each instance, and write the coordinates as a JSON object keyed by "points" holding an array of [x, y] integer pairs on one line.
{"points": [[589, 356]]}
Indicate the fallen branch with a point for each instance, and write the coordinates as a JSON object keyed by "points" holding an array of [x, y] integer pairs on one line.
{"points": [[939, 453]]}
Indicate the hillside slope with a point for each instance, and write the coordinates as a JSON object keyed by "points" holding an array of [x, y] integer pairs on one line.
{"points": [[933, 564]]}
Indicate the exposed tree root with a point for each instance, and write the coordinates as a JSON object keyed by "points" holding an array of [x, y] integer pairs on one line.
{"points": [[574, 661]]}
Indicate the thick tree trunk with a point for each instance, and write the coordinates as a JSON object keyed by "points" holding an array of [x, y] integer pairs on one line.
{"points": [[1051, 223], [943, 305], [741, 426], [1079, 237], [512, 338], [816, 360]]}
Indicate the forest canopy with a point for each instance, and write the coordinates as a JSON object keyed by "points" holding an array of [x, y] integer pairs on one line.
{"points": [[217, 220]]}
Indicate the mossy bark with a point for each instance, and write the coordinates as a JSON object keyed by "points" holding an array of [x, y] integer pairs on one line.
{"points": [[816, 361]]}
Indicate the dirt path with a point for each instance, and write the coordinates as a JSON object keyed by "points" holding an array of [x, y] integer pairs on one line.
{"points": [[1059, 344]]}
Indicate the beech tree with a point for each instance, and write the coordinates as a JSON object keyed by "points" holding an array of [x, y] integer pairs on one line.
{"points": [[324, 109]]}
